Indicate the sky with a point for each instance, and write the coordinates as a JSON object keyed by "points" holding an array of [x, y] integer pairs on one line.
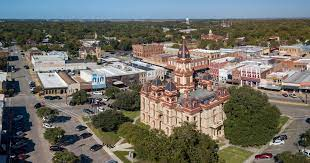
{"points": [[153, 9]]}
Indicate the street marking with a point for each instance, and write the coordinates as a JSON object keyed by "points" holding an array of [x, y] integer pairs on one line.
{"points": [[62, 110]]}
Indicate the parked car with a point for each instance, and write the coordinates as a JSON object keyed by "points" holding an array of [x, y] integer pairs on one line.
{"points": [[105, 99], [306, 152], [26, 67], [88, 111], [280, 137], [80, 128], [17, 146], [308, 120], [277, 142], [38, 105], [49, 97], [285, 94], [56, 148], [57, 97], [293, 95], [95, 147], [86, 135], [18, 118], [97, 93], [47, 125]]}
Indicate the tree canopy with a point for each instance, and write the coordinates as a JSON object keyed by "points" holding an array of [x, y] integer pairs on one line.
{"points": [[305, 139], [47, 112], [251, 119], [127, 100], [112, 91], [109, 120], [185, 144], [288, 157], [79, 98], [65, 156], [53, 135]]}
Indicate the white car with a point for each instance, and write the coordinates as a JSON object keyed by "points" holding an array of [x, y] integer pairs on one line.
{"points": [[97, 93], [18, 117], [47, 125], [277, 142]]}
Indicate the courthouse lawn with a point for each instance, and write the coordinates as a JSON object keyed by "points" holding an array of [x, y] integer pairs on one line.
{"points": [[234, 154], [131, 114]]}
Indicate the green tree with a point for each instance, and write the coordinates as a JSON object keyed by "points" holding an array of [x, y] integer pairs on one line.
{"points": [[288, 157], [112, 91], [53, 135], [305, 139], [65, 157], [185, 144], [127, 100], [47, 112], [251, 119], [79, 98], [109, 120]]}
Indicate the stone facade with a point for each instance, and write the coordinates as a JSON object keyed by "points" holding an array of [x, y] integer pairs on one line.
{"points": [[165, 105]]}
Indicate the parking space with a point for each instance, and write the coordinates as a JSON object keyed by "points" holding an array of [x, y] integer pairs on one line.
{"points": [[79, 145]]}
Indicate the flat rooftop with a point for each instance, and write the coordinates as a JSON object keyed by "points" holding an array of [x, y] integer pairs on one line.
{"points": [[52, 80], [118, 70], [40, 58], [298, 77]]}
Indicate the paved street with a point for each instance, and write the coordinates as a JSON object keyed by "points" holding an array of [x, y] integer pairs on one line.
{"points": [[25, 101]]}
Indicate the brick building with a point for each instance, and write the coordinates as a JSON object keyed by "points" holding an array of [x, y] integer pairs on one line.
{"points": [[147, 50]]}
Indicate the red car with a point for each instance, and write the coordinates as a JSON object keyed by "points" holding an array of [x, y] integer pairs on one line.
{"points": [[264, 156]]}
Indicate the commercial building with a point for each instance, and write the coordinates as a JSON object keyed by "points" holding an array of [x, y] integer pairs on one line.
{"points": [[151, 71], [297, 50], [73, 86], [45, 63], [33, 52], [96, 78], [147, 50], [85, 51], [52, 83], [120, 73], [217, 64], [299, 81], [252, 73], [50, 63], [165, 105], [61, 54]]}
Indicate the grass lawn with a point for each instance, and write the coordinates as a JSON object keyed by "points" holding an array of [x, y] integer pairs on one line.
{"points": [[131, 114], [121, 155], [106, 137], [234, 155], [282, 121]]}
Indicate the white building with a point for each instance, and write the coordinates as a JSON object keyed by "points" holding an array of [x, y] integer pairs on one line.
{"points": [[61, 54], [151, 71], [96, 78], [47, 63], [52, 83]]}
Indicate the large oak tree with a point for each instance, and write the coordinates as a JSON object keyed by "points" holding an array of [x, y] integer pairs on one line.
{"points": [[251, 119]]}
